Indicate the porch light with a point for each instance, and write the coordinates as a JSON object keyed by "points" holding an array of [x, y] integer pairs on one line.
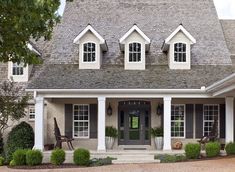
{"points": [[109, 110], [159, 109]]}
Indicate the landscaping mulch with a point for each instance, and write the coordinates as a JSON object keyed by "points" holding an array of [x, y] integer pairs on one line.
{"points": [[45, 166]]}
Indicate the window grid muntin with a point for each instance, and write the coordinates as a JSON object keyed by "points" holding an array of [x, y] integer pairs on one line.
{"points": [[210, 111], [135, 52], [177, 117], [32, 113], [180, 52], [81, 115], [89, 52], [18, 69]]}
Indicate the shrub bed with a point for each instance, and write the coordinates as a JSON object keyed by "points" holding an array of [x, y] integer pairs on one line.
{"points": [[192, 150], [230, 148], [34, 157], [57, 156], [81, 157], [20, 137], [2, 161], [165, 158], [212, 149], [19, 157]]}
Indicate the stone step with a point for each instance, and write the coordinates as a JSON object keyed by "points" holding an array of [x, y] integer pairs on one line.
{"points": [[131, 161], [135, 157]]}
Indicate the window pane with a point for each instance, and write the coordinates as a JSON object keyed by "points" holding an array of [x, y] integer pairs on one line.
{"points": [[180, 52], [134, 52], [177, 121], [89, 52]]}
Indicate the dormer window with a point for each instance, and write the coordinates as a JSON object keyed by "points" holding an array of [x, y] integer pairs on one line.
{"points": [[134, 44], [178, 48], [91, 47], [134, 52], [89, 52], [180, 52], [19, 72], [18, 69]]}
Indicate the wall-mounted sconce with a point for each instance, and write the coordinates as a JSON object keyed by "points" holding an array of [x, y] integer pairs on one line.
{"points": [[109, 110], [159, 109]]}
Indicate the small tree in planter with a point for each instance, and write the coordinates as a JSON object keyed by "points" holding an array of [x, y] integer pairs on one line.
{"points": [[111, 134], [157, 133]]}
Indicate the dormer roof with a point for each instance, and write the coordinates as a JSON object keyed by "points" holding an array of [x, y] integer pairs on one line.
{"points": [[97, 35], [135, 28], [180, 28]]}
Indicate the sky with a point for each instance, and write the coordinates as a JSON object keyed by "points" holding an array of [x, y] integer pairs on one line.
{"points": [[225, 8]]}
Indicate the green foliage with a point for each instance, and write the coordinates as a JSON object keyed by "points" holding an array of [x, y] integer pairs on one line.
{"points": [[57, 156], [2, 161], [230, 148], [19, 156], [192, 150], [1, 145], [101, 161], [212, 149], [12, 163], [165, 158], [20, 137], [34, 157], [157, 132], [110, 131], [81, 157]]}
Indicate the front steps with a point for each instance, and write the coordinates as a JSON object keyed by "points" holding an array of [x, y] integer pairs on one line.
{"points": [[135, 158]]}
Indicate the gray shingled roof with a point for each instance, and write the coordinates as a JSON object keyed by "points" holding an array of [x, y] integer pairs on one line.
{"points": [[115, 77], [229, 33], [156, 18]]}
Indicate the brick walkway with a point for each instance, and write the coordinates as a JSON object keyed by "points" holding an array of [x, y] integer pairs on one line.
{"points": [[224, 165]]}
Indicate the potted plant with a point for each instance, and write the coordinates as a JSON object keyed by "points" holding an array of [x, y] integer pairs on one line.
{"points": [[111, 134], [157, 133]]}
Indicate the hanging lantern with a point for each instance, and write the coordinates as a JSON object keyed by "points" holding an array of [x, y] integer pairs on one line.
{"points": [[109, 110]]}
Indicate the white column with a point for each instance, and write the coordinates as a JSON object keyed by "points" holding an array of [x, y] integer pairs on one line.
{"points": [[229, 132], [101, 124], [167, 123], [39, 124]]}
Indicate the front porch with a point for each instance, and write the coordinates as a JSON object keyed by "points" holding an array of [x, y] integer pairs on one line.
{"points": [[91, 134]]}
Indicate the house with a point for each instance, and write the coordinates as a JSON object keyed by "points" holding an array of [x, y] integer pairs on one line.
{"points": [[134, 57]]}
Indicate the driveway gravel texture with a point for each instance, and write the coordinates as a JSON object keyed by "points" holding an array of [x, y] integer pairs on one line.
{"points": [[220, 165]]}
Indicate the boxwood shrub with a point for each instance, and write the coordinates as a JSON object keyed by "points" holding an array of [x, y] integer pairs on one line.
{"points": [[20, 137], [230, 148], [2, 161], [81, 157], [212, 149], [19, 157], [34, 157], [57, 156], [192, 150]]}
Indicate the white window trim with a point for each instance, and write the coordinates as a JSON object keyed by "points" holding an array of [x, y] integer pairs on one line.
{"points": [[128, 52], [187, 46], [96, 52], [183, 120], [88, 136], [206, 120], [18, 78], [30, 107]]}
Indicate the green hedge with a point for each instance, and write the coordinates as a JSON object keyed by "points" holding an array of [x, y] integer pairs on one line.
{"points": [[212, 149], [192, 150], [34, 157], [81, 157], [19, 157], [230, 148], [2, 161], [20, 137], [57, 156], [166, 158]]}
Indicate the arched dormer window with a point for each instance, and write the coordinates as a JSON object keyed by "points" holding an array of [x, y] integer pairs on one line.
{"points": [[89, 52], [134, 52], [180, 52]]}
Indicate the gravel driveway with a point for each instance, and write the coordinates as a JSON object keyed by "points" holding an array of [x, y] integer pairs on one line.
{"points": [[222, 165]]}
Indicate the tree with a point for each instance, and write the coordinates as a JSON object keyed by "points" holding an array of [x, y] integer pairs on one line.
{"points": [[12, 105], [21, 21]]}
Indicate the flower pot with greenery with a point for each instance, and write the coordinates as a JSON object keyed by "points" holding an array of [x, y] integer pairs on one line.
{"points": [[111, 134], [157, 133]]}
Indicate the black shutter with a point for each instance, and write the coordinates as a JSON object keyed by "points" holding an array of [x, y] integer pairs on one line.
{"points": [[93, 120], [189, 121], [222, 121], [68, 120], [199, 120]]}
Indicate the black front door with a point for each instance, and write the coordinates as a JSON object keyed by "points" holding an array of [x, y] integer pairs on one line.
{"points": [[134, 123]]}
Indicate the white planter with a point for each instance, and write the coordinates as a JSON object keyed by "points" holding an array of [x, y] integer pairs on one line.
{"points": [[109, 142], [158, 143]]}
